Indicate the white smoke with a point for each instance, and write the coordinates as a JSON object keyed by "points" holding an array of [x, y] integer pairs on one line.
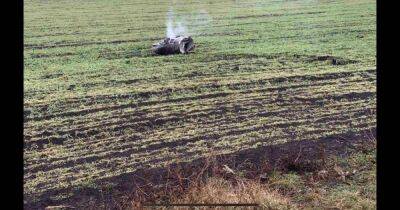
{"points": [[178, 24], [174, 28]]}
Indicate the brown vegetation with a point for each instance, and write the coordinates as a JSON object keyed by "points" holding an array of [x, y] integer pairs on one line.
{"points": [[327, 181]]}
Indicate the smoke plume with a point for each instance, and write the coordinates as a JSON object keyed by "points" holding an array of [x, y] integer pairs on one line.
{"points": [[174, 28], [188, 24]]}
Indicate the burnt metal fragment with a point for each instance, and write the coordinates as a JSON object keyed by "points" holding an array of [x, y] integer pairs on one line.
{"points": [[179, 44]]}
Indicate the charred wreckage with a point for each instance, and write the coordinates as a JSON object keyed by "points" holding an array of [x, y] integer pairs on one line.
{"points": [[174, 45]]}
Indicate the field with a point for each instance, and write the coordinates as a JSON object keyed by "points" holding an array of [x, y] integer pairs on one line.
{"points": [[98, 105]]}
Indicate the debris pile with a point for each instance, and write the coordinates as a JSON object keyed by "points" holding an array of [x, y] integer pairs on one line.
{"points": [[179, 44]]}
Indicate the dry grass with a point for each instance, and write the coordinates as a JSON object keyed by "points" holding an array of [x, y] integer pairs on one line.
{"points": [[218, 190], [341, 182]]}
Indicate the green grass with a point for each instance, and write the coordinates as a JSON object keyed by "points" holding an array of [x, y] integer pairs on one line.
{"points": [[98, 104], [356, 191]]}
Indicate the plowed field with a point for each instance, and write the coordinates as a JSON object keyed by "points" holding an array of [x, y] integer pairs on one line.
{"points": [[98, 105]]}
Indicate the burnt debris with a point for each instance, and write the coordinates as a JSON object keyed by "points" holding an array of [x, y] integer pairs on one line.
{"points": [[175, 45]]}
